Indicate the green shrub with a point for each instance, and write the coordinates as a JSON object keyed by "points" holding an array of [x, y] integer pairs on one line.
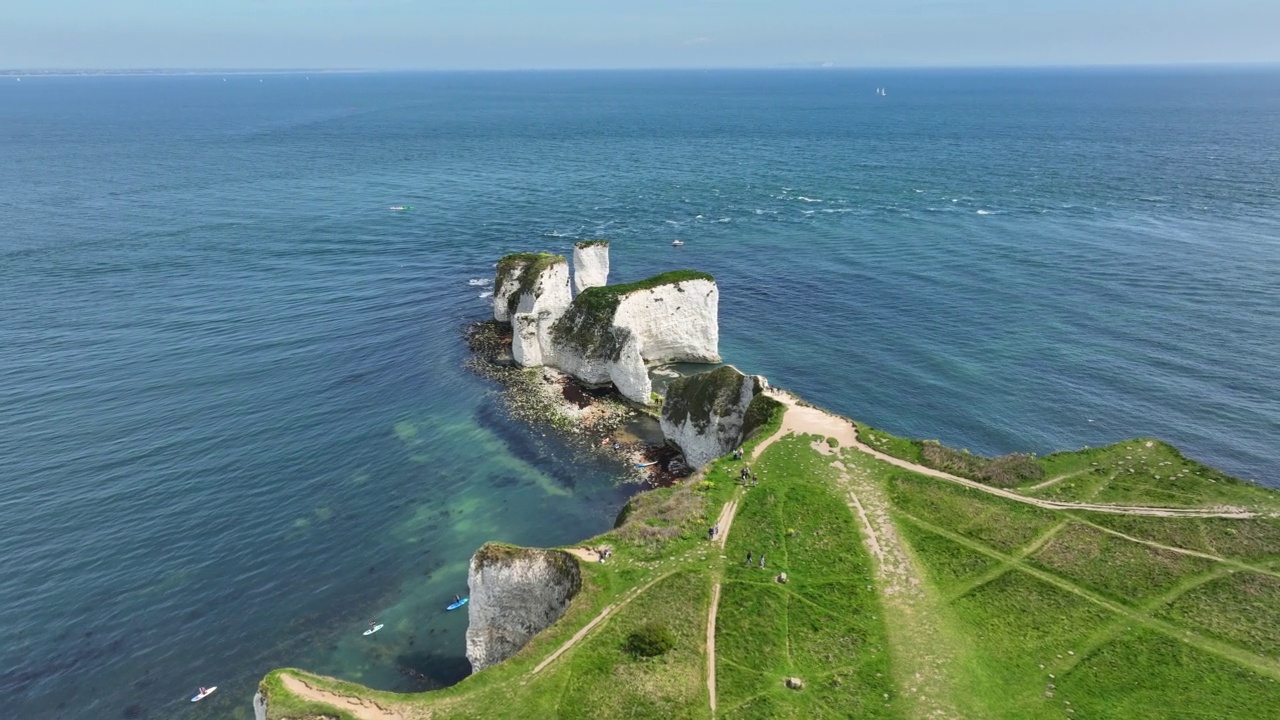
{"points": [[1004, 471], [650, 640]]}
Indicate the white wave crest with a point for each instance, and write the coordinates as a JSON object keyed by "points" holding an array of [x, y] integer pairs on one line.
{"points": [[486, 294], [480, 282], [808, 199]]}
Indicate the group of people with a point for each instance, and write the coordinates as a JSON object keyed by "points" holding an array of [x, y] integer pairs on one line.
{"points": [[748, 478], [748, 562]]}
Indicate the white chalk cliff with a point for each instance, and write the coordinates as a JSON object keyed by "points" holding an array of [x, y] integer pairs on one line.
{"points": [[608, 334], [515, 594], [531, 291], [590, 264], [705, 415]]}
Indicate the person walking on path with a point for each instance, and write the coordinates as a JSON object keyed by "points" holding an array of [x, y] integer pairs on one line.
{"points": [[748, 557]]}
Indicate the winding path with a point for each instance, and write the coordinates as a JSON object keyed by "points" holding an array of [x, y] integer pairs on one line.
{"points": [[598, 619], [724, 523], [807, 419], [359, 707]]}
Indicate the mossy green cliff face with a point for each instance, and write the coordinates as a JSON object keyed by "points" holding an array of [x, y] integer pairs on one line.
{"points": [[705, 415]]}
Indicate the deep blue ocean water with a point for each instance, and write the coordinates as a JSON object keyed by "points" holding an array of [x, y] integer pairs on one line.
{"points": [[234, 421]]}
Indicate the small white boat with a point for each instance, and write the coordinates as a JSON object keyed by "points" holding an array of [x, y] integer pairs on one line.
{"points": [[677, 243], [204, 693]]}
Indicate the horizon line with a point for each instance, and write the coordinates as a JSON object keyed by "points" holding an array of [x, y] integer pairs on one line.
{"points": [[123, 71]]}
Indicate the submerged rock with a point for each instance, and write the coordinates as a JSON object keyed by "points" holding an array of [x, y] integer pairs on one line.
{"points": [[705, 415], [516, 593]]}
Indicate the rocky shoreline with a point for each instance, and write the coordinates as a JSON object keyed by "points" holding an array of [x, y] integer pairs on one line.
{"points": [[598, 421]]}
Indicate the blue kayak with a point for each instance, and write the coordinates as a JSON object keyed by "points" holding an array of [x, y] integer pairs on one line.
{"points": [[458, 604]]}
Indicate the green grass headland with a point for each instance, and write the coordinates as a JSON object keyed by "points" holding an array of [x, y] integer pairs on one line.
{"points": [[994, 608]]}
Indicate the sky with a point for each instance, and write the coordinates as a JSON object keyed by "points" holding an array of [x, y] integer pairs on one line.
{"points": [[529, 34]]}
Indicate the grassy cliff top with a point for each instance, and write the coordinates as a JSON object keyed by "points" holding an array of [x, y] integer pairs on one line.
{"points": [[584, 244], [910, 593]]}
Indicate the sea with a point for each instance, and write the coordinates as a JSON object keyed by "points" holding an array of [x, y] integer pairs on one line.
{"points": [[235, 421]]}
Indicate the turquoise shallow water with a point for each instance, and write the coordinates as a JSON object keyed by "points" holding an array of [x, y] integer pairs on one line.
{"points": [[234, 424]]}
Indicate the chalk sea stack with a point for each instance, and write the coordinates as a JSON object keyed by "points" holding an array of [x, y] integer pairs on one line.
{"points": [[608, 334], [590, 264]]}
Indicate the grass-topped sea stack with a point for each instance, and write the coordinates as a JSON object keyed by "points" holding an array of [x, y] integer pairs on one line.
{"points": [[531, 291], [608, 334]]}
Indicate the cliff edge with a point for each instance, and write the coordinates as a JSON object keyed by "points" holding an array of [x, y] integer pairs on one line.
{"points": [[708, 415], [516, 593]]}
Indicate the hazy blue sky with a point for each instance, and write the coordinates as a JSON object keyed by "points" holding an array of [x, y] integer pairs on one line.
{"points": [[448, 34]]}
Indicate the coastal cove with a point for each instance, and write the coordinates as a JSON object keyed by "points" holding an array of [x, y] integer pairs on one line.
{"points": [[908, 574], [239, 423]]}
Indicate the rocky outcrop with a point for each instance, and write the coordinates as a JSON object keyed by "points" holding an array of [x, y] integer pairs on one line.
{"points": [[707, 415], [590, 264], [609, 334], [525, 281], [516, 593], [531, 291]]}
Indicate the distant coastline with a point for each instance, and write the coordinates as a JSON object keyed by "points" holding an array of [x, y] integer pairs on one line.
{"points": [[170, 72]]}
